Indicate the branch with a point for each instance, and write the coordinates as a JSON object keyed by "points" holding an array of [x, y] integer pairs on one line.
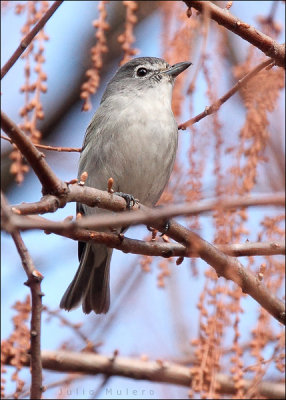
{"points": [[51, 183], [167, 250], [228, 267], [68, 380], [207, 252], [140, 214], [216, 106], [28, 38], [134, 246], [224, 265], [154, 371], [101, 221], [52, 148], [258, 39], [145, 215], [253, 249], [34, 283]]}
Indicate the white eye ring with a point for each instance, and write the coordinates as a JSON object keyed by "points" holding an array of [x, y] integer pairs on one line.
{"points": [[141, 72]]}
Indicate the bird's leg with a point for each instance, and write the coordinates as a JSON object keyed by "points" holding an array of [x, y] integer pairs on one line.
{"points": [[130, 200], [166, 228]]}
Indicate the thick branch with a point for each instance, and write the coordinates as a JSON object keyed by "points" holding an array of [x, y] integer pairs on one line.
{"points": [[258, 39], [154, 371], [51, 183], [29, 37], [216, 106]]}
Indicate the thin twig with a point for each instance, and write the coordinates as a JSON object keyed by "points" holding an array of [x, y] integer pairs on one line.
{"points": [[258, 39], [270, 18], [216, 106], [34, 283], [52, 148], [29, 37], [51, 183], [61, 382], [66, 322], [102, 384], [154, 371], [205, 32]]}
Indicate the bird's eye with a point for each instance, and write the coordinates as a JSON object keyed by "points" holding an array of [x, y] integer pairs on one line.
{"points": [[141, 72]]}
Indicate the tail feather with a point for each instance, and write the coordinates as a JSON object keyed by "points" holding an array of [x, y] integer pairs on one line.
{"points": [[97, 295], [91, 281]]}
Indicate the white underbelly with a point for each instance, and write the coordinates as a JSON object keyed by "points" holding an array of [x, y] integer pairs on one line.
{"points": [[144, 159], [136, 147]]}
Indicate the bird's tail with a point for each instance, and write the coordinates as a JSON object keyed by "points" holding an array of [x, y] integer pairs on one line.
{"points": [[91, 281]]}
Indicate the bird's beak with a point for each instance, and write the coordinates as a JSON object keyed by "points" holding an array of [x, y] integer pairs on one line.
{"points": [[176, 69]]}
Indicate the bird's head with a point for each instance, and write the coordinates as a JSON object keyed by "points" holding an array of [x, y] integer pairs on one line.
{"points": [[144, 73]]}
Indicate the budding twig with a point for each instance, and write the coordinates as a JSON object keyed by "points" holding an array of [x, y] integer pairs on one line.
{"points": [[51, 148]]}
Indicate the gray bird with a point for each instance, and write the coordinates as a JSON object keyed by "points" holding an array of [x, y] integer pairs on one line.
{"points": [[132, 138]]}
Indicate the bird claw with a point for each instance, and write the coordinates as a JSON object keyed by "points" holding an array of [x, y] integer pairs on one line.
{"points": [[166, 228], [128, 198]]}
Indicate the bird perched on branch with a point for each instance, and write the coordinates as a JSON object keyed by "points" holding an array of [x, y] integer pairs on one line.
{"points": [[132, 138]]}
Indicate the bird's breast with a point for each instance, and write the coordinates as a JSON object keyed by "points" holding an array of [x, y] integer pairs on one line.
{"points": [[144, 148]]}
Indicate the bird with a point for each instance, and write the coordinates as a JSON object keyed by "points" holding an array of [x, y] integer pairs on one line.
{"points": [[132, 138]]}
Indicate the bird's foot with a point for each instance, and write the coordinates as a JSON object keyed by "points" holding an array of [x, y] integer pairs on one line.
{"points": [[164, 231], [167, 224], [130, 200], [166, 228]]}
